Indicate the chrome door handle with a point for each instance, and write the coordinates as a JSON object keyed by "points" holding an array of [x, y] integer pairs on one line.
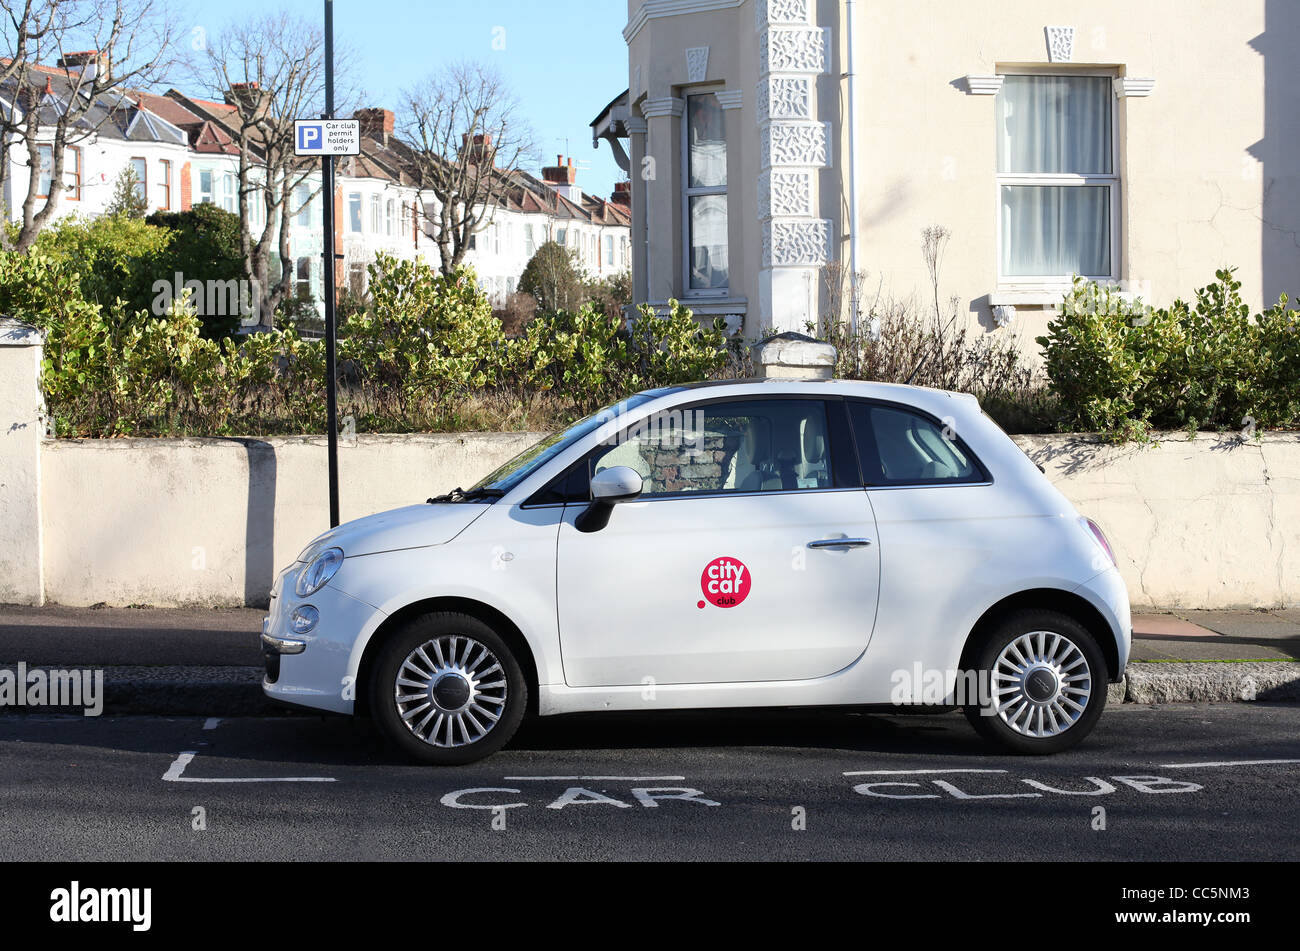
{"points": [[840, 543]]}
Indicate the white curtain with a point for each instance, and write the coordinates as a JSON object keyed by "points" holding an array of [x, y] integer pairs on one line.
{"points": [[1055, 230], [1055, 125]]}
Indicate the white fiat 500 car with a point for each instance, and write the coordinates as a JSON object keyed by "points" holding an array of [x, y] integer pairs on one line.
{"points": [[736, 544]]}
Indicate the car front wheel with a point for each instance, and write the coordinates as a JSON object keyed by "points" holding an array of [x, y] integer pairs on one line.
{"points": [[447, 690], [1043, 683]]}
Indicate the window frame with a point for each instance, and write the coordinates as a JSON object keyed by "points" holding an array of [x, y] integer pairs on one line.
{"points": [[355, 199], [688, 192], [74, 190], [1060, 283], [166, 183], [983, 476], [144, 177]]}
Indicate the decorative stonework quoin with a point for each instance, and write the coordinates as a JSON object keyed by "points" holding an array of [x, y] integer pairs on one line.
{"points": [[1132, 87], [768, 13], [983, 85], [794, 143], [796, 242], [697, 64], [785, 193], [1060, 43], [798, 144], [785, 97], [795, 49]]}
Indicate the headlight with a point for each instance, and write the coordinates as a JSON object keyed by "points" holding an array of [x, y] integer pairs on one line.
{"points": [[318, 572]]}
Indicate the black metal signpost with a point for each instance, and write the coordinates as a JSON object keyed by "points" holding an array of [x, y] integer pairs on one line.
{"points": [[327, 194], [327, 137]]}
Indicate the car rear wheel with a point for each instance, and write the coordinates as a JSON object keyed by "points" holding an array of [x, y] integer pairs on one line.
{"points": [[1043, 683], [446, 689]]}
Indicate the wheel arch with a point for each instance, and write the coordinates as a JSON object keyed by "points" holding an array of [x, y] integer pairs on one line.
{"points": [[493, 617], [1051, 599]]}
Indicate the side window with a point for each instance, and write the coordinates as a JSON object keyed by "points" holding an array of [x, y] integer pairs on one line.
{"points": [[899, 447], [741, 446]]}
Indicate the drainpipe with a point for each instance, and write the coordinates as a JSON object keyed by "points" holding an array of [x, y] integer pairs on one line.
{"points": [[851, 80]]}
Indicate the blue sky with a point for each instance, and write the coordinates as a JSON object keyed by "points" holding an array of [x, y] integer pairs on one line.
{"points": [[564, 59]]}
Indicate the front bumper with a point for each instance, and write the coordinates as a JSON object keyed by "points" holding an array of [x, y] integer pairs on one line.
{"points": [[312, 670]]}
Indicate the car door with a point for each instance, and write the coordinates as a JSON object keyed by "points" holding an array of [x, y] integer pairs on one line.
{"points": [[749, 556]]}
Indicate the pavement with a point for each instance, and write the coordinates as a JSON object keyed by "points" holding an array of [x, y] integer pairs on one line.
{"points": [[207, 661]]}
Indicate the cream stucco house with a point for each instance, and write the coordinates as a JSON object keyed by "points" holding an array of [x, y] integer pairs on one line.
{"points": [[1147, 142]]}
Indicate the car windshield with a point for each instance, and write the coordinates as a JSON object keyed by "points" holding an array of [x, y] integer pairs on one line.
{"points": [[531, 459]]}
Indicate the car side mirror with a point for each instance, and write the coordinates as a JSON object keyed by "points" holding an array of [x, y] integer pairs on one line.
{"points": [[608, 488]]}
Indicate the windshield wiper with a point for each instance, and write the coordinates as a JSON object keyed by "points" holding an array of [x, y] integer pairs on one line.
{"points": [[467, 495]]}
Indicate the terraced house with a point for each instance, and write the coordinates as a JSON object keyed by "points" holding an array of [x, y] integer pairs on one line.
{"points": [[1145, 142], [184, 151]]}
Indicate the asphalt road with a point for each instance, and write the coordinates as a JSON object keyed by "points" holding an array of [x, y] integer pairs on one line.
{"points": [[603, 787]]}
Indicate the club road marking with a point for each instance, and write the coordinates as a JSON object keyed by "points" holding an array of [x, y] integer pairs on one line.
{"points": [[175, 773], [1232, 762]]}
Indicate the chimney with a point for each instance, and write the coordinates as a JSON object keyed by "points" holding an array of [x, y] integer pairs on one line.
{"points": [[247, 96], [480, 151], [375, 123], [622, 194], [563, 177], [87, 63]]}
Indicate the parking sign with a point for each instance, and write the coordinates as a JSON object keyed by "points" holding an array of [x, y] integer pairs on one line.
{"points": [[326, 137]]}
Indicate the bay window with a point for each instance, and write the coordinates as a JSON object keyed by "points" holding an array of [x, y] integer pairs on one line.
{"points": [[1058, 184], [705, 212]]}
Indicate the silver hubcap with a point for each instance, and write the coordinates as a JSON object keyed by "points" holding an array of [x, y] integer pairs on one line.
{"points": [[450, 691], [1041, 684]]}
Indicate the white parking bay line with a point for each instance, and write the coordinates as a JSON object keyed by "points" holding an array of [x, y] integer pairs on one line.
{"points": [[1232, 762], [175, 773], [612, 779], [915, 772]]}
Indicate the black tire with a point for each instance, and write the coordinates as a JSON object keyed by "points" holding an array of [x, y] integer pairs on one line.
{"points": [[458, 673], [1027, 727]]}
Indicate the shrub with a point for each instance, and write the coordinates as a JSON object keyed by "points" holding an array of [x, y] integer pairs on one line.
{"points": [[1123, 368], [553, 276], [205, 246], [424, 338], [116, 258]]}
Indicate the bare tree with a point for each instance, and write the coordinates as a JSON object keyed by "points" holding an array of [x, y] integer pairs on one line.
{"points": [[464, 128], [124, 43], [272, 71]]}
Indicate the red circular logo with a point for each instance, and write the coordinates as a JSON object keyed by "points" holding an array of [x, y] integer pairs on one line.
{"points": [[725, 582]]}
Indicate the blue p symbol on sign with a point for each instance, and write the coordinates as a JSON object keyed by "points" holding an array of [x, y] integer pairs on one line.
{"points": [[308, 137]]}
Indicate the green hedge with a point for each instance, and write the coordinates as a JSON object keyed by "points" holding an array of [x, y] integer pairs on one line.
{"points": [[1123, 368], [408, 362]]}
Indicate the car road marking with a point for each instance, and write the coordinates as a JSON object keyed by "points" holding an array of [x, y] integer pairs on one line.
{"points": [[175, 773]]}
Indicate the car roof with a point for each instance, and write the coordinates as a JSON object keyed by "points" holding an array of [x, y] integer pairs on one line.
{"points": [[903, 392]]}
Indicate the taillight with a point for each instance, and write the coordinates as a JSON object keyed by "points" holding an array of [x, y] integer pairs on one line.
{"points": [[1095, 530]]}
